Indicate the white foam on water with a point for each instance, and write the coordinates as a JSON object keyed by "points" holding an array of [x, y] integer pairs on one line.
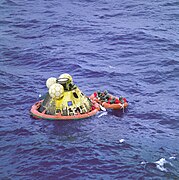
{"points": [[143, 163], [112, 67], [160, 164], [121, 140], [103, 114], [172, 157], [161, 168], [40, 95]]}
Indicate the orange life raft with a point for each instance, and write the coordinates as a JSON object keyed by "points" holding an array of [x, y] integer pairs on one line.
{"points": [[58, 116], [109, 101]]}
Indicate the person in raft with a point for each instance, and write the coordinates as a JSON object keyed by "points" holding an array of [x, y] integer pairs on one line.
{"points": [[106, 97]]}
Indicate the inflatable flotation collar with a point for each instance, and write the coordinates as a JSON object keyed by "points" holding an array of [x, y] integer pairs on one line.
{"points": [[35, 112]]}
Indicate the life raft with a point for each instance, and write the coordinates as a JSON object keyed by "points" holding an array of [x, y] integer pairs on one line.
{"points": [[109, 101], [58, 116]]}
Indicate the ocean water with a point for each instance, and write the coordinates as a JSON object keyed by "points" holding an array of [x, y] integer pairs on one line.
{"points": [[130, 48]]}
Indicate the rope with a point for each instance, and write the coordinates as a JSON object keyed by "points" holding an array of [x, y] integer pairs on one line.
{"points": [[122, 107]]}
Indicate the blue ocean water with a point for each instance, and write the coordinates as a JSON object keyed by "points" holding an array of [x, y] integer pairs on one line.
{"points": [[130, 48]]}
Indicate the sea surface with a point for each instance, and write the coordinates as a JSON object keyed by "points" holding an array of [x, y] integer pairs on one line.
{"points": [[130, 48]]}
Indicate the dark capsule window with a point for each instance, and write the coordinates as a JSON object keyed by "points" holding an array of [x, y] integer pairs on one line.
{"points": [[58, 111], [75, 95]]}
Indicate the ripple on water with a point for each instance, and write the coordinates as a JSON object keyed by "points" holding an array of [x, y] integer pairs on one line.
{"points": [[128, 48]]}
